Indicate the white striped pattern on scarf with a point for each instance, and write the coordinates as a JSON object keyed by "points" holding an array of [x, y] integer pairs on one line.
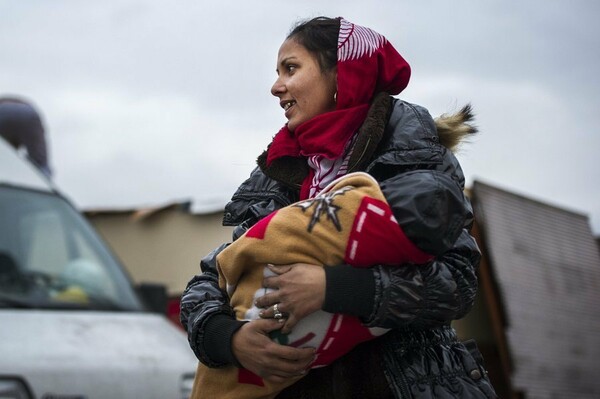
{"points": [[354, 41], [327, 170]]}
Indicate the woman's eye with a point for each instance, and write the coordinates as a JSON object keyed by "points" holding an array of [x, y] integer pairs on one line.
{"points": [[291, 68]]}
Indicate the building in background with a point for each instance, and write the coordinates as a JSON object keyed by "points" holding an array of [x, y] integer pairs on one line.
{"points": [[535, 315], [161, 245]]}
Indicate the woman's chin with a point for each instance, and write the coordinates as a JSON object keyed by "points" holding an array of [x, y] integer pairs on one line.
{"points": [[291, 126]]}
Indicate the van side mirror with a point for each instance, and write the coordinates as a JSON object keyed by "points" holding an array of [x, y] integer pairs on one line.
{"points": [[154, 296]]}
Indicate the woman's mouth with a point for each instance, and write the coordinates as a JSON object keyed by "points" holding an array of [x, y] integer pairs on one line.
{"points": [[287, 104]]}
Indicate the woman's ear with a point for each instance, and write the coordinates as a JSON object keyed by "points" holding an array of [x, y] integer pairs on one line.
{"points": [[333, 77]]}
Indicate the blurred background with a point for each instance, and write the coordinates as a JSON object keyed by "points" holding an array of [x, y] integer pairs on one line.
{"points": [[154, 113]]}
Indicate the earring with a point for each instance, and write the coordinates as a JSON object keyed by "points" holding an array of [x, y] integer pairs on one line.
{"points": [[335, 97]]}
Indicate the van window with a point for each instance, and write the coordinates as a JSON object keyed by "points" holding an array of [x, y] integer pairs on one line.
{"points": [[50, 257]]}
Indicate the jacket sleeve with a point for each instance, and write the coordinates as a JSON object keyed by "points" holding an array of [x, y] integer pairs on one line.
{"points": [[397, 296], [207, 316], [433, 212], [427, 295]]}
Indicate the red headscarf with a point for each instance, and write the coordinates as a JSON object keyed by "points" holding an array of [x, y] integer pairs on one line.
{"points": [[366, 65]]}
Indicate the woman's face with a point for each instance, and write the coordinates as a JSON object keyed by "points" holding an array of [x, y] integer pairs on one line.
{"points": [[304, 91]]}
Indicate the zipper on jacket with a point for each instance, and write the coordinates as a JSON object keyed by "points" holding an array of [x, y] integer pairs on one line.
{"points": [[404, 392], [394, 374]]}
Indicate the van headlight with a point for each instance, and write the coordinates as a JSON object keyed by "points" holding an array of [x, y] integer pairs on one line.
{"points": [[187, 382], [13, 389]]}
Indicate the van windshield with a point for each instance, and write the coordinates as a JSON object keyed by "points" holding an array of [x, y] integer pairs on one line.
{"points": [[50, 258]]}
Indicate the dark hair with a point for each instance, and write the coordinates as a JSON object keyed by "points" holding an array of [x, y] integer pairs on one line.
{"points": [[320, 37]]}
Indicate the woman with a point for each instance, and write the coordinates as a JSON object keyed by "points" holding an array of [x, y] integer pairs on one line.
{"points": [[334, 84]]}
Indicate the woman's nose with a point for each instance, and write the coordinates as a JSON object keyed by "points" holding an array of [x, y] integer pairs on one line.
{"points": [[277, 88]]}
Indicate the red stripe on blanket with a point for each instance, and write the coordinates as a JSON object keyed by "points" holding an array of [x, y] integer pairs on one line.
{"points": [[259, 229], [377, 238], [248, 377], [343, 334]]}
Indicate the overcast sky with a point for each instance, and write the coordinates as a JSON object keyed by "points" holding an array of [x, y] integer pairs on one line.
{"points": [[148, 102]]}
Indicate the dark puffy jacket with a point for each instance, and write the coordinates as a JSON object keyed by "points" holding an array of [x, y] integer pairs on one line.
{"points": [[399, 145]]}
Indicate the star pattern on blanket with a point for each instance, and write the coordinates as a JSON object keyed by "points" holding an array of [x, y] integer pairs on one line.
{"points": [[323, 204]]}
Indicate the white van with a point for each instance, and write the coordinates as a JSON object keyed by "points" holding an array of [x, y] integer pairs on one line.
{"points": [[71, 324]]}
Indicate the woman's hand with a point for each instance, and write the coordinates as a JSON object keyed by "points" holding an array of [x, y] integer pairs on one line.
{"points": [[254, 349], [299, 291]]}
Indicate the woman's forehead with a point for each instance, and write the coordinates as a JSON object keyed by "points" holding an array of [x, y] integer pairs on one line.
{"points": [[291, 48]]}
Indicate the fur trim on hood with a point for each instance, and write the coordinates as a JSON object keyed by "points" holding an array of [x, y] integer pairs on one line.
{"points": [[452, 129]]}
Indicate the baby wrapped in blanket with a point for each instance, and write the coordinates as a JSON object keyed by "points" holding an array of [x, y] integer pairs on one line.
{"points": [[348, 222]]}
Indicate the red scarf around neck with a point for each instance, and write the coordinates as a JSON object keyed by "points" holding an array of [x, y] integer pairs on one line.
{"points": [[325, 134]]}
